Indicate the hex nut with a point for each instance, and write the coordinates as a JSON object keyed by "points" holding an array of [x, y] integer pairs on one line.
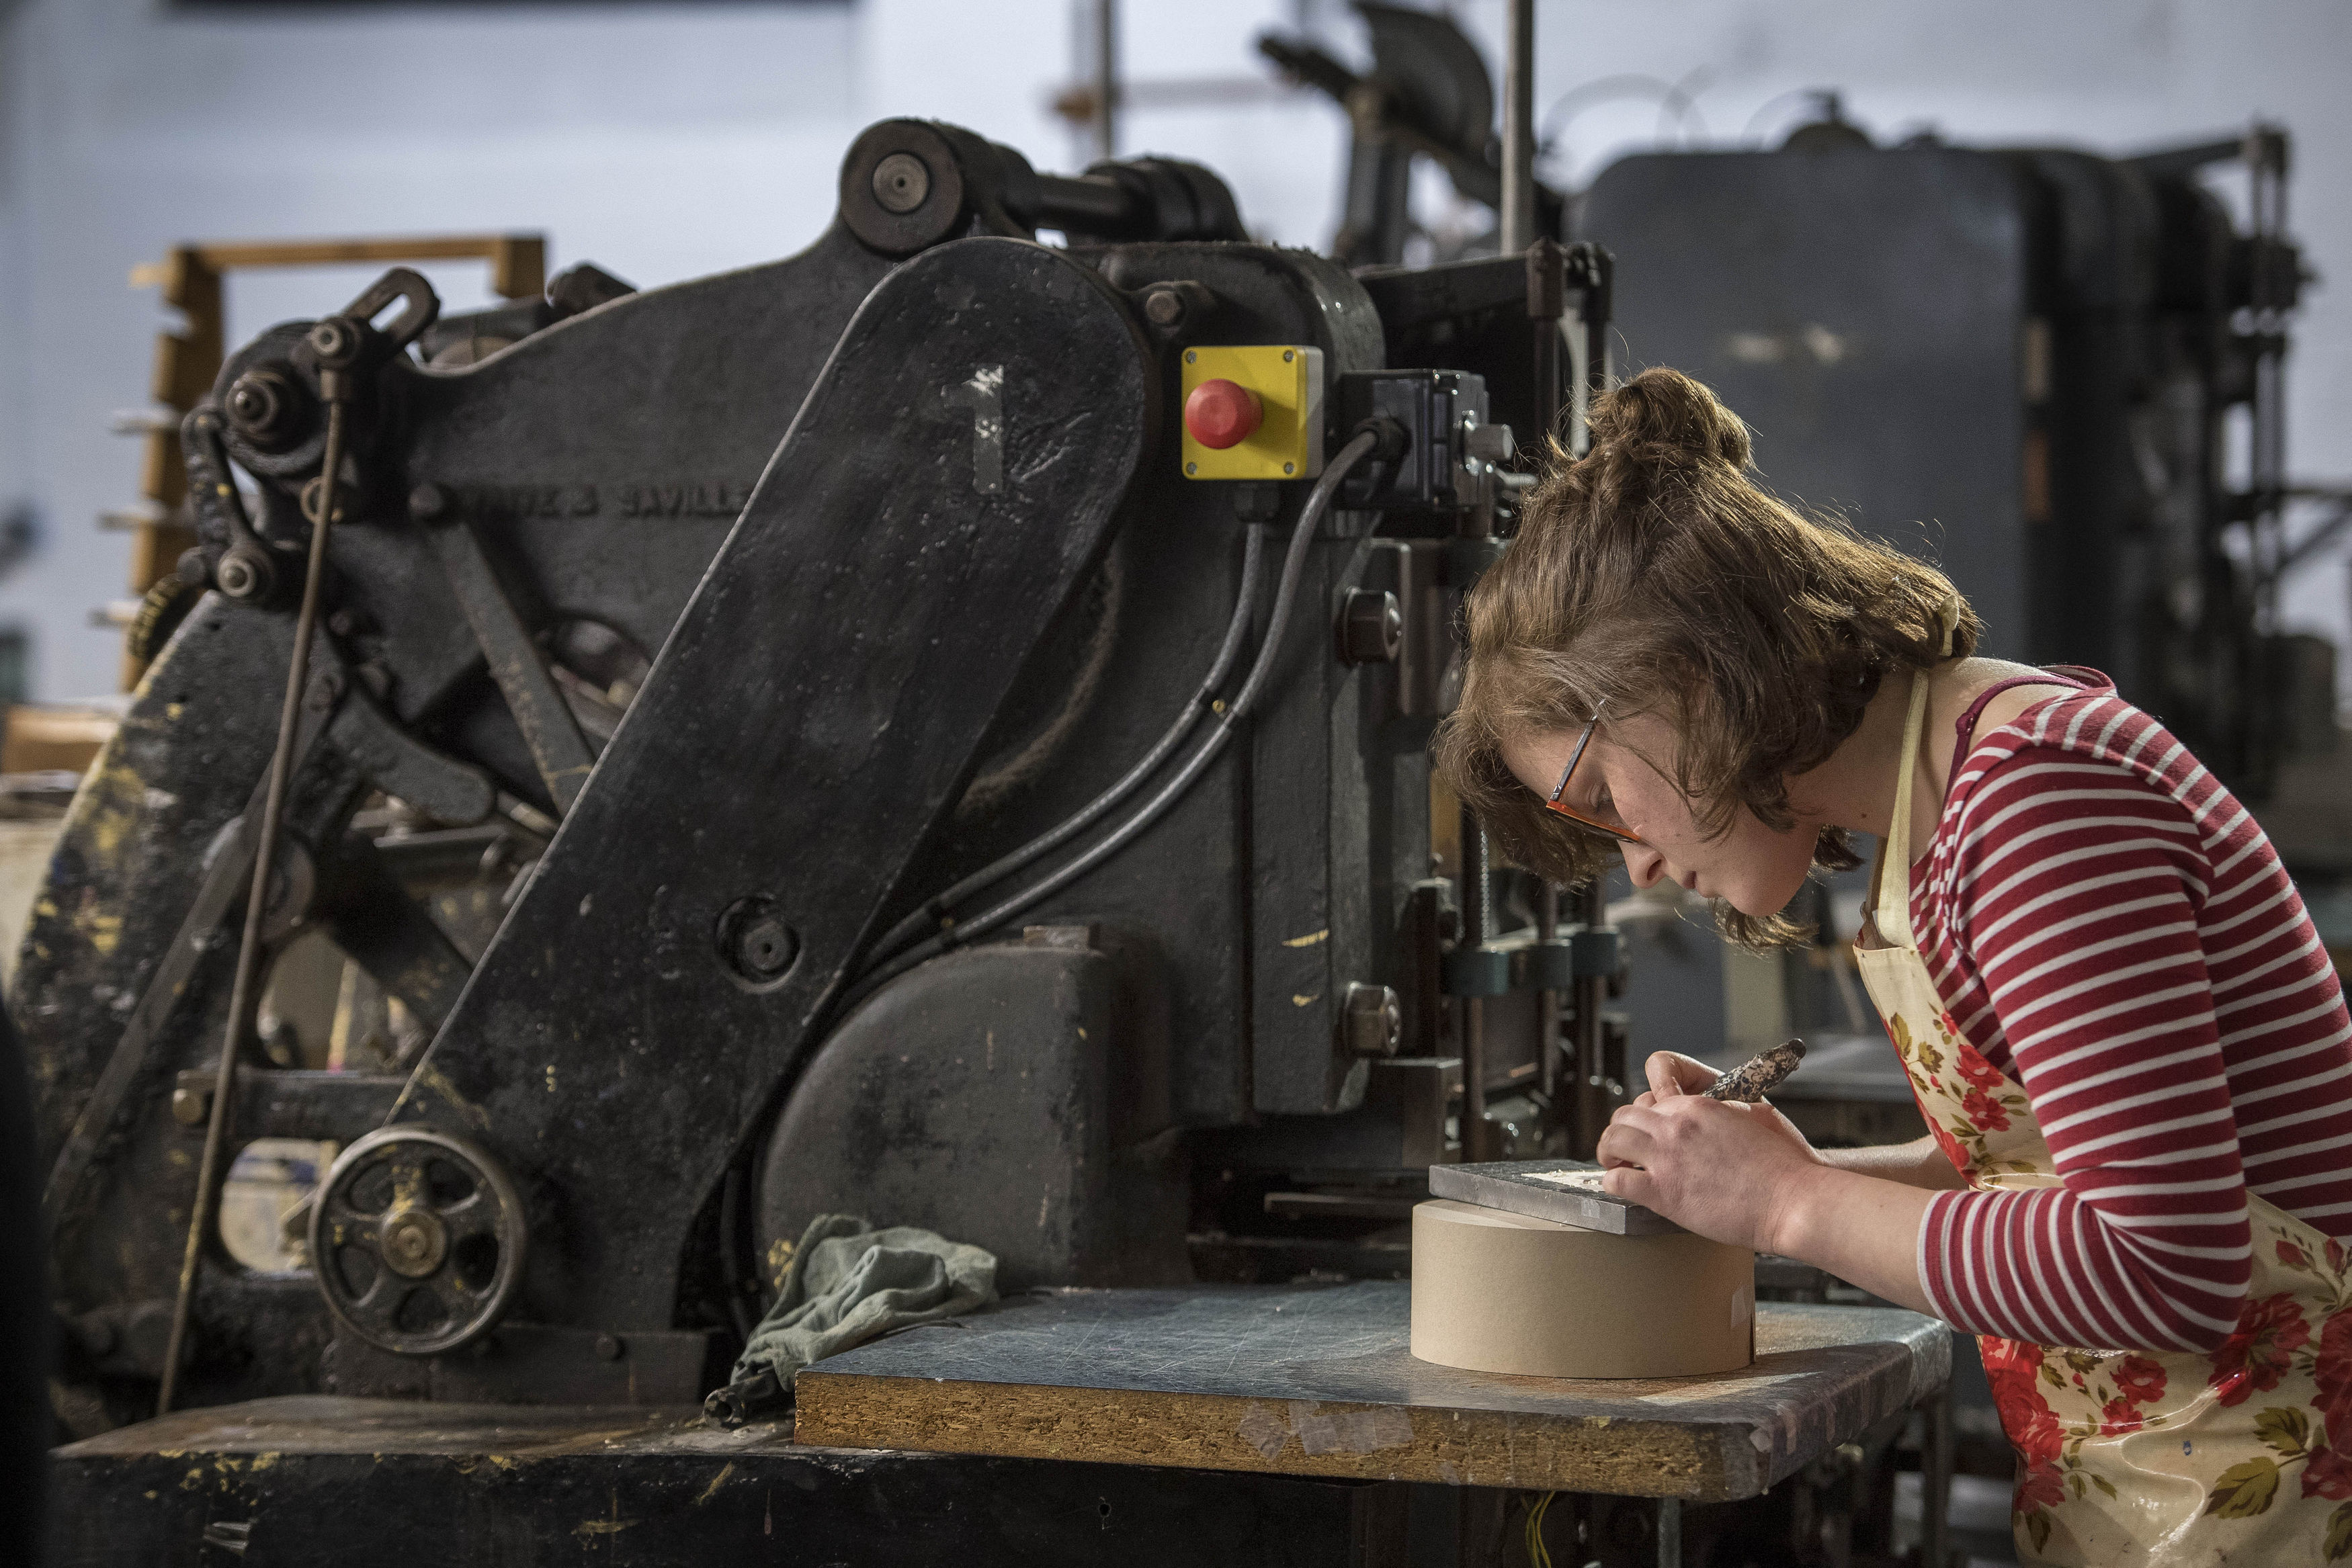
{"points": [[1371, 1022], [191, 1107]]}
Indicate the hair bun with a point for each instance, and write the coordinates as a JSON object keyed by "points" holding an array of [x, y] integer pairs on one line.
{"points": [[1661, 414]]}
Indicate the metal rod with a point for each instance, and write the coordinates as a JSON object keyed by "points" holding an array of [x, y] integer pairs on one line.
{"points": [[1547, 1040], [1479, 1140], [243, 999], [1592, 1107], [1517, 218], [1107, 79], [1547, 303], [1935, 1479]]}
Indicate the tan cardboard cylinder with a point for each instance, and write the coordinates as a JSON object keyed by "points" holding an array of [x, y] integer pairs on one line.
{"points": [[1503, 1293]]}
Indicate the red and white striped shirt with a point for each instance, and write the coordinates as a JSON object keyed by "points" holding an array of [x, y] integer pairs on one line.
{"points": [[2111, 929]]}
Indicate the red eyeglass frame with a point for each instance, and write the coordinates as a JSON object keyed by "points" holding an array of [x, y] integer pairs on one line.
{"points": [[1578, 818]]}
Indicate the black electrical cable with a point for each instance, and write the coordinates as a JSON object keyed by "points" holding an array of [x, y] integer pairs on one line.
{"points": [[1286, 597], [935, 909]]}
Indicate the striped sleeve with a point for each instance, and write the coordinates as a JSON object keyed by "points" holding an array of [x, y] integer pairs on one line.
{"points": [[2083, 886]]}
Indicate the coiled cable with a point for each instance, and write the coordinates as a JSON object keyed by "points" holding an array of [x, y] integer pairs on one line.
{"points": [[936, 909], [1294, 566]]}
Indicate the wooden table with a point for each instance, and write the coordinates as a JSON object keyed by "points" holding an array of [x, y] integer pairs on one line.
{"points": [[1318, 1381]]}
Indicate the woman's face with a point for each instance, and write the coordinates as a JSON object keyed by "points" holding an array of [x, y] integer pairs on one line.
{"points": [[1626, 780]]}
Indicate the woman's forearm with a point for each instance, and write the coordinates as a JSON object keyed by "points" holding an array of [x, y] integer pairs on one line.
{"points": [[1918, 1163], [1861, 1227]]}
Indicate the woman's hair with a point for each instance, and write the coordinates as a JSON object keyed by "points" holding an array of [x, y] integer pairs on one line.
{"points": [[1651, 574]]}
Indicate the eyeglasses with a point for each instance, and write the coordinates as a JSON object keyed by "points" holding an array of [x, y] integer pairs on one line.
{"points": [[1578, 818]]}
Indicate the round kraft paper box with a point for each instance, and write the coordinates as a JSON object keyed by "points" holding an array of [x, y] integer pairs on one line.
{"points": [[1503, 1293]]}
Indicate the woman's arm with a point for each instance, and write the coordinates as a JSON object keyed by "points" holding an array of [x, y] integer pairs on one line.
{"points": [[1918, 1163]]}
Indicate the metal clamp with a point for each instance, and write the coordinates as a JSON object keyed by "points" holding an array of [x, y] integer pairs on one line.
{"points": [[1477, 972], [1595, 953], [1547, 966]]}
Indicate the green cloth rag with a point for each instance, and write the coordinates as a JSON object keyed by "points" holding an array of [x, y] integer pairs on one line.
{"points": [[849, 1282]]}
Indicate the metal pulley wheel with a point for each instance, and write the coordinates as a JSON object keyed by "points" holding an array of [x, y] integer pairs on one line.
{"points": [[417, 1239]]}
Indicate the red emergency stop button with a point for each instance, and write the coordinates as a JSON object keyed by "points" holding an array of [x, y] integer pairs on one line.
{"points": [[1222, 414]]}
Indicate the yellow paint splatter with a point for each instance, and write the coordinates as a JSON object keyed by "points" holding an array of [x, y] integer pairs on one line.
{"points": [[780, 1261], [551, 1077], [267, 1457], [1309, 940], [716, 1483], [433, 1078], [1299, 1001], [104, 931]]}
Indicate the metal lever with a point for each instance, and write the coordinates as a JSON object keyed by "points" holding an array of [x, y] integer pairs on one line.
{"points": [[557, 747]]}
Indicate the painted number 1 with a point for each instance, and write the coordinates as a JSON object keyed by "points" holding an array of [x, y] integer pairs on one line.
{"points": [[984, 395]]}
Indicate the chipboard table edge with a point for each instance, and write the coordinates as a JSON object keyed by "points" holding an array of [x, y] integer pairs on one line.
{"points": [[1693, 1460]]}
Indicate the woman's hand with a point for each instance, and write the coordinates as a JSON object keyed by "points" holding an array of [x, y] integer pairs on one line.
{"points": [[1732, 1173], [1670, 1073], [1744, 1176]]}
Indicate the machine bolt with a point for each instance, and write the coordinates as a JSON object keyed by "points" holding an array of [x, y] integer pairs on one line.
{"points": [[755, 940], [243, 574], [902, 181], [1372, 627], [1164, 307], [1486, 443], [427, 502], [609, 1347], [1371, 1022], [765, 947], [336, 341], [191, 1106], [414, 1241], [266, 408]]}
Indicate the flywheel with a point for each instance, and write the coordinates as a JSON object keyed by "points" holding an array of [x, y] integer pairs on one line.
{"points": [[417, 1238]]}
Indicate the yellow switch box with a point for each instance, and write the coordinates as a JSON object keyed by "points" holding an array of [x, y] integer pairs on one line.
{"points": [[1286, 382]]}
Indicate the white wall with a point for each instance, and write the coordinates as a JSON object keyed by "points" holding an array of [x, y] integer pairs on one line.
{"points": [[665, 141]]}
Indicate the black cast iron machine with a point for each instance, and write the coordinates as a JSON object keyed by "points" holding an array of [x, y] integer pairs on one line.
{"points": [[1024, 828]]}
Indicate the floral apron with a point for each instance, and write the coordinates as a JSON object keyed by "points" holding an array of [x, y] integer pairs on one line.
{"points": [[2127, 1456]]}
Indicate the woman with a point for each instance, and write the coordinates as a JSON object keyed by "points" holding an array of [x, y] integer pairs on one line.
{"points": [[2124, 1035]]}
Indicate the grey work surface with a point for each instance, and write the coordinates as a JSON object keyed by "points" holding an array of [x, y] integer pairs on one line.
{"points": [[1321, 1381], [1511, 1187]]}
